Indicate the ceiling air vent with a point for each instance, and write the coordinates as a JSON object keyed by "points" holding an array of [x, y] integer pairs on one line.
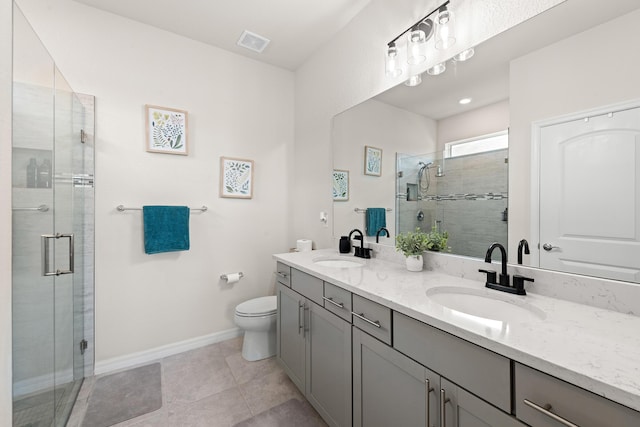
{"points": [[253, 41]]}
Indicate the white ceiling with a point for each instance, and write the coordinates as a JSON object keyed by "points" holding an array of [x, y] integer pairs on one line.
{"points": [[296, 28]]}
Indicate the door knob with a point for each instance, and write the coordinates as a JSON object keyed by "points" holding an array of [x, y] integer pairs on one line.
{"points": [[548, 247]]}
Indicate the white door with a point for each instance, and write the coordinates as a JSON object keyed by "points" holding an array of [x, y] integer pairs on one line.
{"points": [[590, 196]]}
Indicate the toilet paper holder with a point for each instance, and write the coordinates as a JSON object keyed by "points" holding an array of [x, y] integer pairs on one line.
{"points": [[225, 277]]}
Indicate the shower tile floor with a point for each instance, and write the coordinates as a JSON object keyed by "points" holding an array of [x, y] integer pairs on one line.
{"points": [[214, 386]]}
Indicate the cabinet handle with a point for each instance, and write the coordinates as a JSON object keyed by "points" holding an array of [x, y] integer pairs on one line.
{"points": [[443, 413], [283, 275], [300, 325], [304, 319], [546, 409], [429, 390], [331, 301], [371, 322]]}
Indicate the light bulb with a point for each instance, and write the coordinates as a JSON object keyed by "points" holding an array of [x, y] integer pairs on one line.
{"points": [[416, 46], [437, 69], [445, 35], [414, 80], [392, 64]]}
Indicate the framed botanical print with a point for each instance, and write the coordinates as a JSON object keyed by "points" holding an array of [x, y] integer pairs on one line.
{"points": [[236, 178], [372, 161], [340, 185], [166, 130]]}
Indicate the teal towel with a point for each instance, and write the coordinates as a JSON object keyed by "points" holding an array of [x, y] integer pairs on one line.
{"points": [[376, 219], [166, 228]]}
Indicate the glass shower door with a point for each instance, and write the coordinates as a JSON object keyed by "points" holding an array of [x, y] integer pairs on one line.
{"points": [[51, 193]]}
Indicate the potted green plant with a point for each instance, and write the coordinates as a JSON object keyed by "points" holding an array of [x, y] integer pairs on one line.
{"points": [[436, 240], [412, 244]]}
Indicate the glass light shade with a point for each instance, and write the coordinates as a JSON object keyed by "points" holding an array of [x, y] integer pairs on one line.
{"points": [[464, 55], [437, 69], [445, 34], [416, 46], [414, 80], [392, 64]]}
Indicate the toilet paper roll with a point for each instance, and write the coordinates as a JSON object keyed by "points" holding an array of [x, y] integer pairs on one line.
{"points": [[304, 245], [233, 277]]}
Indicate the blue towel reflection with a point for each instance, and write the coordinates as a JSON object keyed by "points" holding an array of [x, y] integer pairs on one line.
{"points": [[376, 218], [166, 228]]}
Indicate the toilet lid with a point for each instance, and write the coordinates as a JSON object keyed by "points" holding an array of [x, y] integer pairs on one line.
{"points": [[258, 306]]}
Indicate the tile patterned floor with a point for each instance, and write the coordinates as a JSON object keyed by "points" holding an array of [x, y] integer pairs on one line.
{"points": [[213, 386]]}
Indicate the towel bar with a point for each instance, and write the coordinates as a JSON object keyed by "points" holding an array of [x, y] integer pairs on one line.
{"points": [[360, 210], [121, 208]]}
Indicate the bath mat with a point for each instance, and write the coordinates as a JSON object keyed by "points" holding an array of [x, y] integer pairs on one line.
{"points": [[292, 413], [125, 395]]}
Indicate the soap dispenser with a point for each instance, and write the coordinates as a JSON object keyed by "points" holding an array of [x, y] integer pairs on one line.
{"points": [[345, 245]]}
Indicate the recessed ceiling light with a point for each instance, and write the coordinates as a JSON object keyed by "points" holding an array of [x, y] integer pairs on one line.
{"points": [[464, 101], [253, 41]]}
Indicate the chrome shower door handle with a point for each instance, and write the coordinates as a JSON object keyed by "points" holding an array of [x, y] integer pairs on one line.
{"points": [[45, 250]]}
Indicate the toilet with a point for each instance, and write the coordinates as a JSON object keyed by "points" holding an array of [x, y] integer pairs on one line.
{"points": [[257, 317]]}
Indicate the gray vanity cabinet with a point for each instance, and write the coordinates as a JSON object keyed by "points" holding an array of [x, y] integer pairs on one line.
{"points": [[314, 348], [290, 338], [542, 400], [390, 389]]}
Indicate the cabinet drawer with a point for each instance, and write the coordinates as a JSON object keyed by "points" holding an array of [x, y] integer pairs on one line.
{"points": [[482, 372], [307, 285], [572, 403], [378, 318], [337, 301], [283, 274]]}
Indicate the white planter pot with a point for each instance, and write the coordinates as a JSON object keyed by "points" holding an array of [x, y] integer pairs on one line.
{"points": [[414, 262]]}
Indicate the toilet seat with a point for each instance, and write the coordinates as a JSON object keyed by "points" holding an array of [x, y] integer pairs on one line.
{"points": [[257, 307]]}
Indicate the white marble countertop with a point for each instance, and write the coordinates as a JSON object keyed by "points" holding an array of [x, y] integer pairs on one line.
{"points": [[596, 349]]}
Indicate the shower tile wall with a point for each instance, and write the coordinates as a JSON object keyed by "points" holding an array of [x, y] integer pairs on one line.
{"points": [[474, 224], [33, 137]]}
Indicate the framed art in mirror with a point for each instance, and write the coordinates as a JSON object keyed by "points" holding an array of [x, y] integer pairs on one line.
{"points": [[372, 161], [340, 185]]}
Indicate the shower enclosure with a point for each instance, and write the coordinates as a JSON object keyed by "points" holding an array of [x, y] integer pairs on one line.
{"points": [[52, 262], [466, 196]]}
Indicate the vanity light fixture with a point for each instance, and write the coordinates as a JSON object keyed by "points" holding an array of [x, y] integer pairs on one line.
{"points": [[439, 22]]}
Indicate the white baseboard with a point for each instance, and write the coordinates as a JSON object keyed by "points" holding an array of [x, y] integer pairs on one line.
{"points": [[151, 355]]}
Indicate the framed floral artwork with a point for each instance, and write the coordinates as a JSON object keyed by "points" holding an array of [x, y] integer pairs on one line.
{"points": [[166, 130], [236, 178], [340, 185], [372, 161]]}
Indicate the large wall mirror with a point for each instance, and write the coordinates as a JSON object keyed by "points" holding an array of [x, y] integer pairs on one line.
{"points": [[569, 63]]}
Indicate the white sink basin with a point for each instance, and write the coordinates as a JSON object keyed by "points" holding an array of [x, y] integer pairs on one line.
{"points": [[337, 262], [485, 304]]}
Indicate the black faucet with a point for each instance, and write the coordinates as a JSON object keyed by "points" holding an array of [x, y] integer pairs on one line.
{"points": [[503, 284], [504, 277], [360, 252], [380, 231], [522, 245]]}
